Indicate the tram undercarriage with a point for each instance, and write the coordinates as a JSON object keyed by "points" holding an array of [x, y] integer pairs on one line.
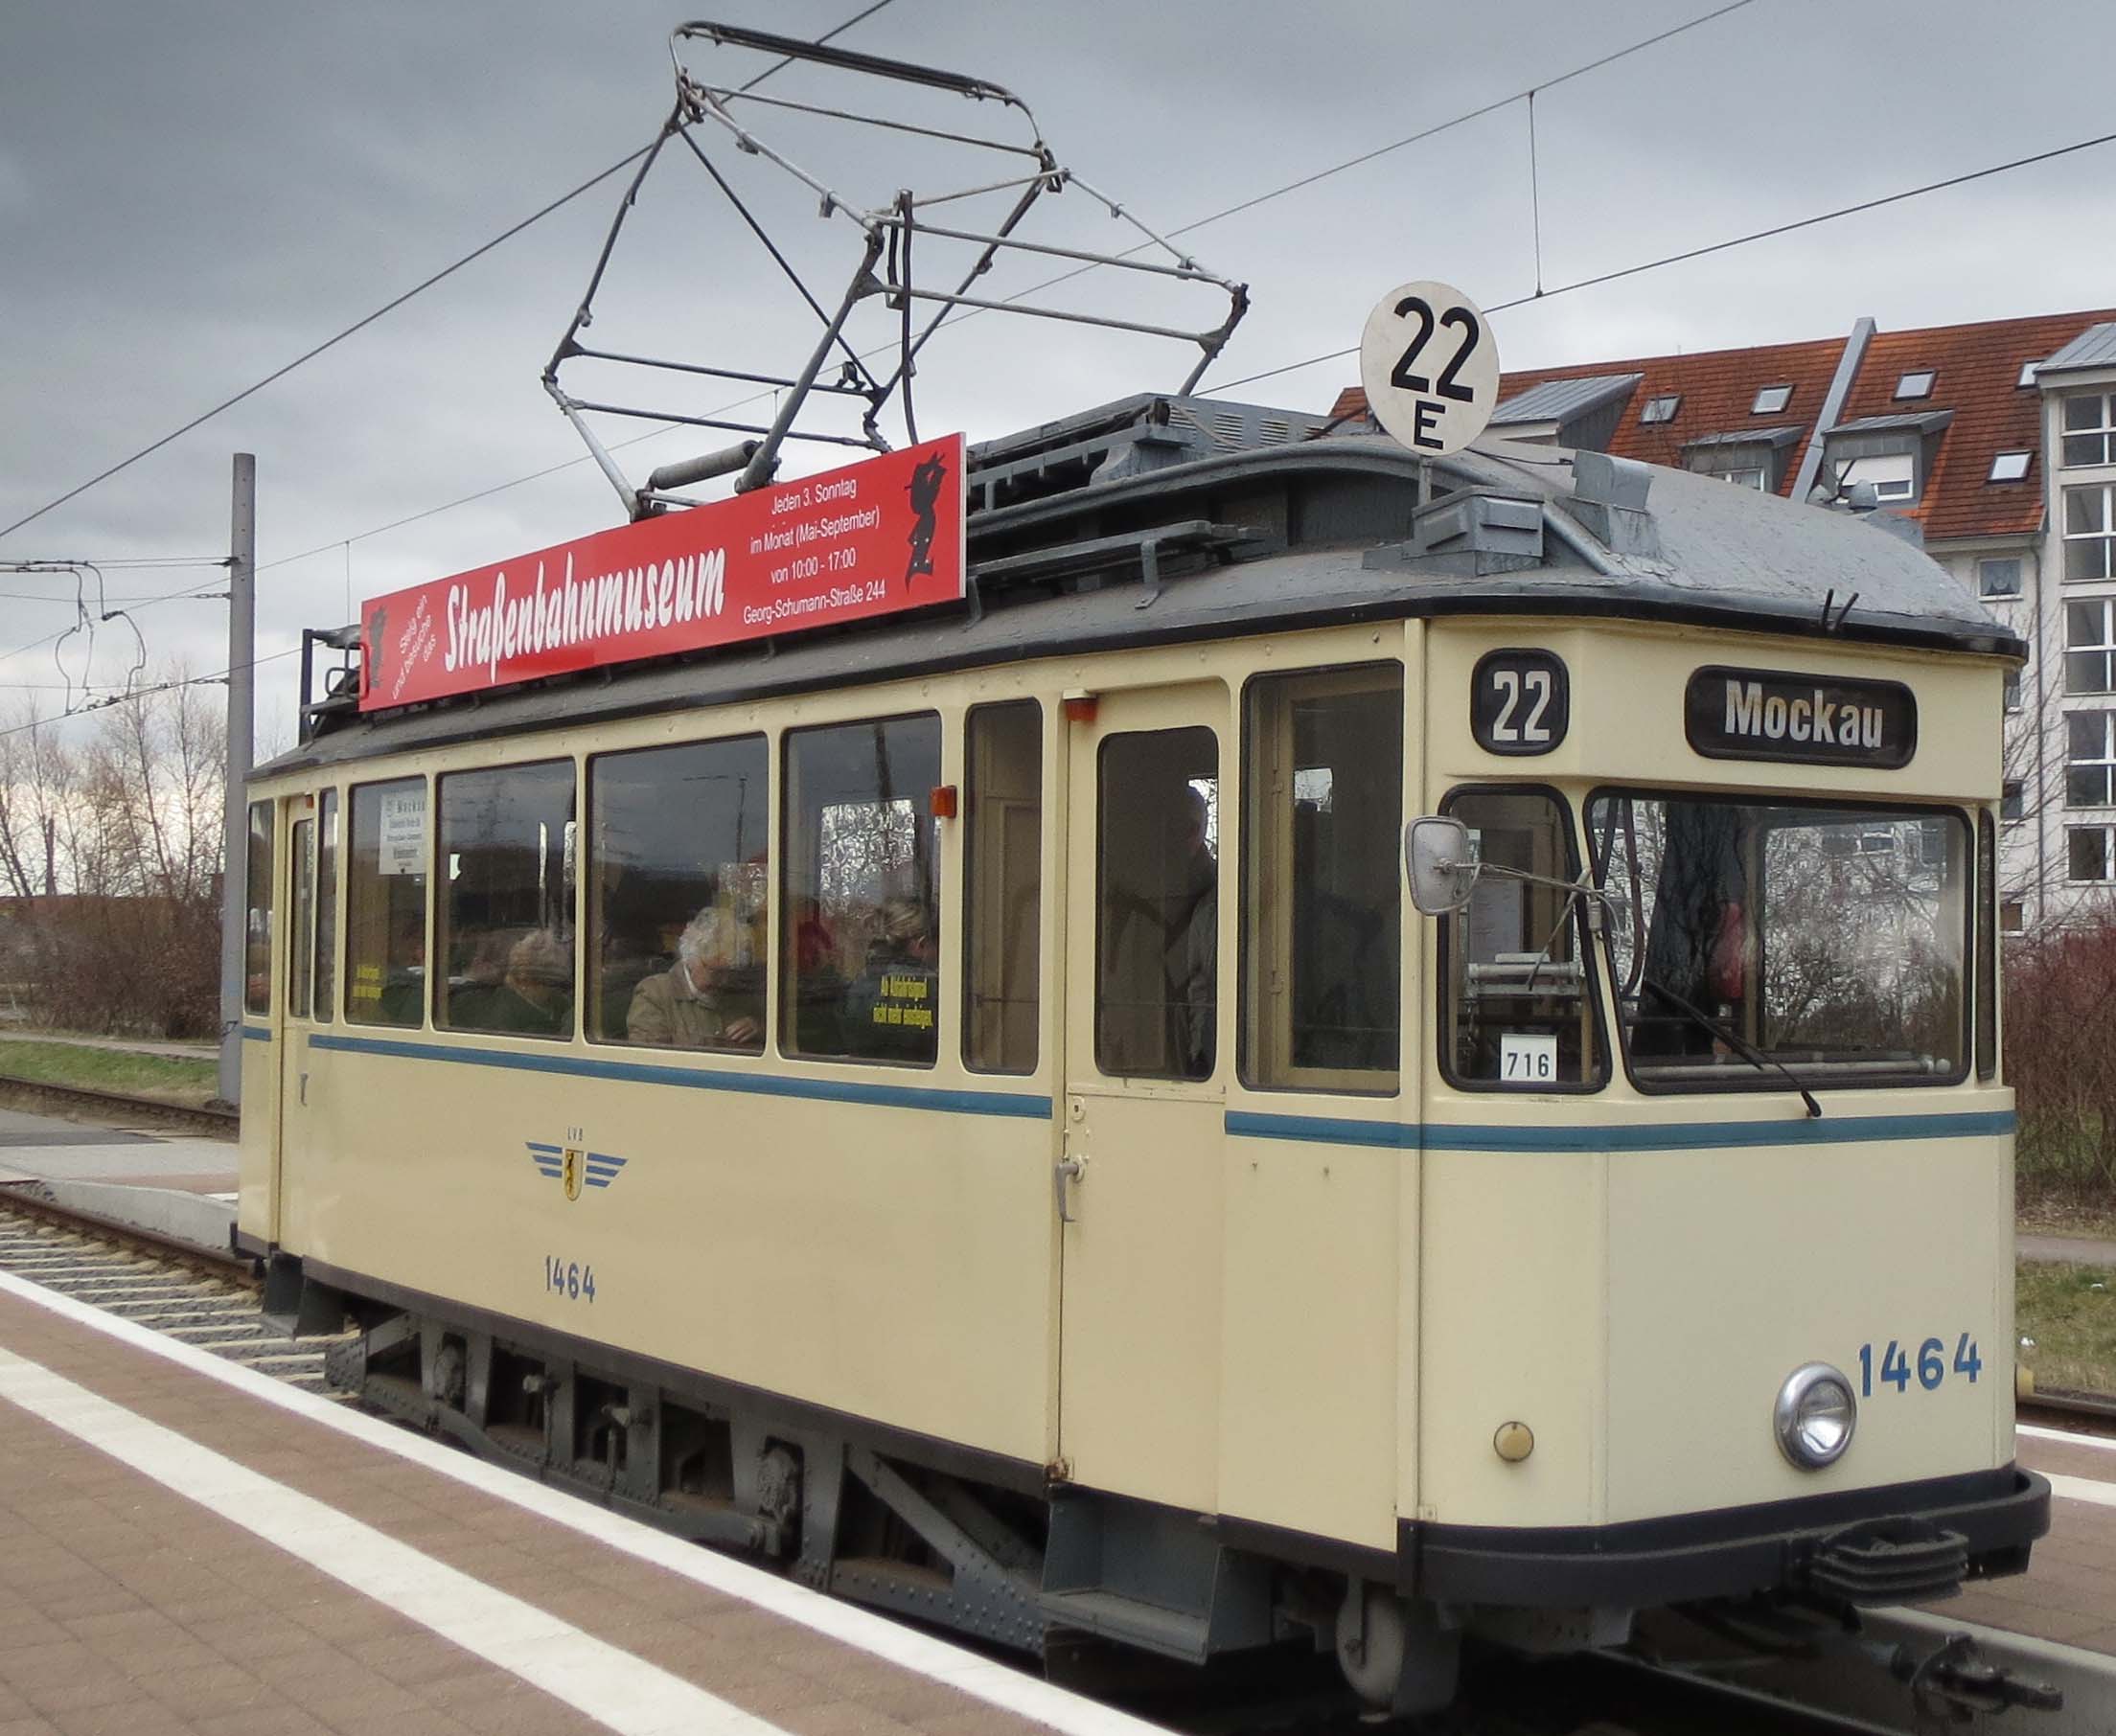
{"points": [[1080, 1580]]}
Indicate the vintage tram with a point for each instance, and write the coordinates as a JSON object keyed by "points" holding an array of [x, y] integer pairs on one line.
{"points": [[961, 1104]]}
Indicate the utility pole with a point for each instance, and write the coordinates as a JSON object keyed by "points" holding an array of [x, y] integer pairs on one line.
{"points": [[241, 724]]}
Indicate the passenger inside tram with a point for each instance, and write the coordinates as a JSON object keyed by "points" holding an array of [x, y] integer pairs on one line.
{"points": [[712, 997]]}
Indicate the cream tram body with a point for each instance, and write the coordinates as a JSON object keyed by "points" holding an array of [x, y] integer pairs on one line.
{"points": [[1302, 1300]]}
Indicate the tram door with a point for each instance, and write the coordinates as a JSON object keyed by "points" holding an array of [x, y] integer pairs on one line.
{"points": [[308, 960], [1138, 1180]]}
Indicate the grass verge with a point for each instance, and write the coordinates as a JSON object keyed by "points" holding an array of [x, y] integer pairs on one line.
{"points": [[166, 1078], [2070, 1314]]}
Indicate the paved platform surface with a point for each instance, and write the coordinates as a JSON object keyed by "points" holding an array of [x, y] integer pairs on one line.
{"points": [[2068, 1593], [51, 1149], [186, 1545]]}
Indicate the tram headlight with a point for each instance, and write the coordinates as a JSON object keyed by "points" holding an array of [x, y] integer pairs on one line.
{"points": [[1815, 1416]]}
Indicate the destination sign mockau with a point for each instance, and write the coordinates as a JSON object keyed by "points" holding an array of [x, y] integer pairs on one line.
{"points": [[873, 538]]}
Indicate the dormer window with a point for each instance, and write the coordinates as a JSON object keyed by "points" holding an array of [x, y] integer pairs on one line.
{"points": [[1661, 409], [1894, 476], [1917, 384], [2028, 373], [2008, 467], [1771, 399]]}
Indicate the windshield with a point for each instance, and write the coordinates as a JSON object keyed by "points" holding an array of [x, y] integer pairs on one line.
{"points": [[1829, 938]]}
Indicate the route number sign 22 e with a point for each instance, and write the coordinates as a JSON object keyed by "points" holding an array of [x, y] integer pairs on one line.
{"points": [[1429, 367]]}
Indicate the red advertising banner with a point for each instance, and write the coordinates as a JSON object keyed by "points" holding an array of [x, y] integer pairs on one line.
{"points": [[874, 539]]}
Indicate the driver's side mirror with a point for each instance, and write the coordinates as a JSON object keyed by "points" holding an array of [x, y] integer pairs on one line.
{"points": [[1437, 856]]}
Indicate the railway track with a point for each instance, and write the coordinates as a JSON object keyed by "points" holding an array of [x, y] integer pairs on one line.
{"points": [[117, 1106], [206, 1300]]}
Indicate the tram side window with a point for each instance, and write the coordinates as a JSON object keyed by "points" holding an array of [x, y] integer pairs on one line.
{"points": [[326, 903], [506, 931], [300, 925], [1002, 881], [1519, 1008], [257, 920], [1156, 905], [677, 883], [858, 924], [385, 904], [1321, 938]]}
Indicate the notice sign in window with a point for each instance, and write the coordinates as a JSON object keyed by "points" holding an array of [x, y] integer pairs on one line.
{"points": [[404, 840], [870, 539], [1765, 714]]}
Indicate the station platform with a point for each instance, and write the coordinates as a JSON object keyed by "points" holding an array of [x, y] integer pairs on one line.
{"points": [[2068, 1594], [189, 1545]]}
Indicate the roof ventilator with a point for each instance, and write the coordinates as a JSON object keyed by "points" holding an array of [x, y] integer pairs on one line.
{"points": [[1474, 531], [1609, 499]]}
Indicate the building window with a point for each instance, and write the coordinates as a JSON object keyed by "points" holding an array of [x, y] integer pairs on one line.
{"points": [[505, 945], [2090, 533], [385, 904], [1750, 476], [2008, 467], [2086, 853], [1771, 399], [2090, 428], [678, 881], [2011, 798], [1322, 866], [2028, 373], [860, 910], [1661, 409], [1002, 880], [1998, 578], [2012, 689], [2090, 647], [1915, 384], [1893, 474], [2012, 917], [2090, 760]]}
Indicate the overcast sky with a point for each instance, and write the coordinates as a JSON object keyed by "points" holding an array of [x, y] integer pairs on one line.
{"points": [[192, 195]]}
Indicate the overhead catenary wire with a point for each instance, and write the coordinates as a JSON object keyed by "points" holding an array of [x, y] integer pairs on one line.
{"points": [[1732, 241], [392, 305]]}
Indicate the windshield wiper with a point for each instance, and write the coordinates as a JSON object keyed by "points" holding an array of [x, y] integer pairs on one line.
{"points": [[1740, 1044]]}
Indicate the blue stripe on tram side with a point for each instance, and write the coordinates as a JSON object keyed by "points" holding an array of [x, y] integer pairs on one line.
{"points": [[1638, 1136], [1008, 1103], [257, 1034]]}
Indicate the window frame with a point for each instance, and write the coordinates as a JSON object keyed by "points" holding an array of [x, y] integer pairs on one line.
{"points": [[2108, 870], [301, 911], [353, 794], [1777, 406], [2105, 535], [1910, 485], [1906, 392], [2105, 762], [1769, 1078], [1577, 857], [1985, 562], [330, 852], [2020, 474], [783, 1007], [1340, 1082], [591, 914], [261, 825], [2104, 430], [439, 898], [1984, 923], [1673, 401], [968, 931], [2104, 648]]}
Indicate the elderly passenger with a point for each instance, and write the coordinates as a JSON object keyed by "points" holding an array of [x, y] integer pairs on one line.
{"points": [[701, 1002]]}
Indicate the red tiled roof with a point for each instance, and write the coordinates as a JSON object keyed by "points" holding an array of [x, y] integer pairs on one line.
{"points": [[1978, 368], [1979, 372]]}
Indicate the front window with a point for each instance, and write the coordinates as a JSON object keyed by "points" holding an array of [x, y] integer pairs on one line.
{"points": [[2090, 647], [1998, 578], [1827, 939], [1518, 1002], [2090, 759]]}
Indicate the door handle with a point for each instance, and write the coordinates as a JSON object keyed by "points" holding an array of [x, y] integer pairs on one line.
{"points": [[304, 1090], [1065, 1169]]}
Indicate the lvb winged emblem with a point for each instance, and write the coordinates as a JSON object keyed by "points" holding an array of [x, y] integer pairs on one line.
{"points": [[574, 1167]]}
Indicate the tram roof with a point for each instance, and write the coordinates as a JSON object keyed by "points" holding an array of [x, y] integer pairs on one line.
{"points": [[1284, 535]]}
